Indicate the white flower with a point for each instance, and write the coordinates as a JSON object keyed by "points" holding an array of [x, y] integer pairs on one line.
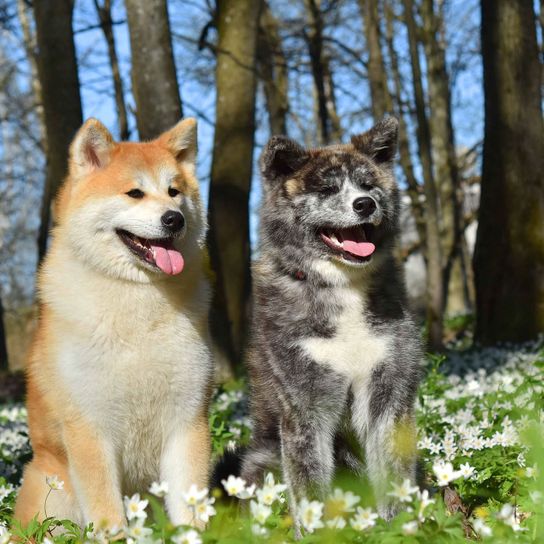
{"points": [[310, 513], [5, 491], [159, 489], [247, 493], [261, 512], [343, 501], [204, 510], [508, 516], [536, 496], [404, 491], [54, 483], [409, 528], [338, 522], [134, 507], [466, 470], [194, 495], [270, 490], [481, 528], [138, 532], [425, 443], [424, 501], [531, 472], [187, 537], [233, 485], [5, 535], [258, 530], [363, 519], [444, 473]]}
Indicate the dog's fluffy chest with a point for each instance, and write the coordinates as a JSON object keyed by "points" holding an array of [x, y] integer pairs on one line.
{"points": [[355, 348], [134, 360]]}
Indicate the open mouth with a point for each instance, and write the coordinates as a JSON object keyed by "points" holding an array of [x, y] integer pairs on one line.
{"points": [[352, 244], [158, 252]]}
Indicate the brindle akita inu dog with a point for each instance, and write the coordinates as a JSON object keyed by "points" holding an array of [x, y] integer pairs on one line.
{"points": [[333, 346]]}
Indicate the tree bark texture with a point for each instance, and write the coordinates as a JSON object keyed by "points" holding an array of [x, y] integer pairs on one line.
{"points": [[237, 24], [273, 71], [435, 296], [509, 256], [104, 15], [57, 70], [154, 79]]}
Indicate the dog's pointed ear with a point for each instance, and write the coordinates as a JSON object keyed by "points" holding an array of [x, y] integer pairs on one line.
{"points": [[91, 148], [281, 157], [181, 141], [380, 142]]}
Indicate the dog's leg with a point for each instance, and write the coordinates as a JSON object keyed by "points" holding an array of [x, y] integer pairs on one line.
{"points": [[36, 497], [307, 453], [94, 474], [385, 427], [262, 456], [186, 461]]}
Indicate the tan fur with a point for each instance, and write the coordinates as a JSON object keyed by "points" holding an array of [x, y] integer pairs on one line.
{"points": [[293, 186], [120, 362]]}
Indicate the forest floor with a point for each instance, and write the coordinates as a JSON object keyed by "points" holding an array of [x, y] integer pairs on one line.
{"points": [[481, 428]]}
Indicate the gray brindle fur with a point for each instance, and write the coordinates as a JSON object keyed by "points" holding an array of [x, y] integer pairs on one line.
{"points": [[333, 341]]}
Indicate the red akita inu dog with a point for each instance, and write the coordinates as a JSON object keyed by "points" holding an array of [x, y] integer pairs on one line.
{"points": [[120, 373]]}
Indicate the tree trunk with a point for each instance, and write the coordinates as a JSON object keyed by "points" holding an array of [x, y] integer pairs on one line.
{"points": [[509, 255], [57, 70], [273, 71], [444, 157], [414, 190], [435, 297], [4, 363], [377, 79], [104, 14], [329, 126], [231, 175], [29, 41], [154, 79], [336, 131]]}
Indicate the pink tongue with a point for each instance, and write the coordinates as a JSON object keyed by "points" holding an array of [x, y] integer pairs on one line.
{"points": [[170, 261], [362, 249]]}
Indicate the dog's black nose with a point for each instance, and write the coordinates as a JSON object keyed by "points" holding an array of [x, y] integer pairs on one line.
{"points": [[364, 205], [173, 221]]}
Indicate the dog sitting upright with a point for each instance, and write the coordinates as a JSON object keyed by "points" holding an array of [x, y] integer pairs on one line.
{"points": [[120, 373], [332, 335]]}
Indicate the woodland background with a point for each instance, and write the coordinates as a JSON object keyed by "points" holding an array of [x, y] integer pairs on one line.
{"points": [[463, 76]]}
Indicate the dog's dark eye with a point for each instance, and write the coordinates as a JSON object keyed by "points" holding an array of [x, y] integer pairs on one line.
{"points": [[135, 193], [367, 186], [329, 190], [172, 192]]}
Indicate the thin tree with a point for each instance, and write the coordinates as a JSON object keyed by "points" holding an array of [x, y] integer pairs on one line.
{"points": [[377, 78], [154, 79], [414, 188], [29, 42], [509, 255], [273, 71], [444, 156], [232, 163], [329, 129], [106, 24], [435, 296], [4, 362], [57, 70]]}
